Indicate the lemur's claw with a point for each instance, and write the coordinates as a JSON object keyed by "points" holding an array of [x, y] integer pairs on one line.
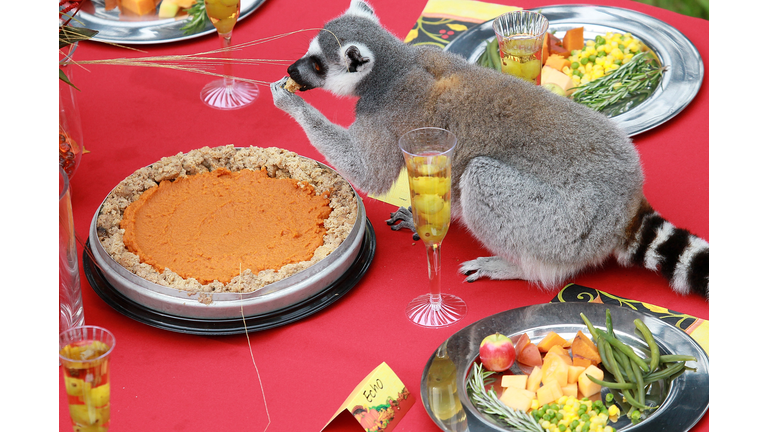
{"points": [[403, 218]]}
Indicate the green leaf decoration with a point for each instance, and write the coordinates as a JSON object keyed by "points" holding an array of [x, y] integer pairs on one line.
{"points": [[69, 35], [63, 77]]}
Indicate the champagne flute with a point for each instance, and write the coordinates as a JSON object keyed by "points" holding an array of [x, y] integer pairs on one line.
{"points": [[226, 93], [428, 152]]}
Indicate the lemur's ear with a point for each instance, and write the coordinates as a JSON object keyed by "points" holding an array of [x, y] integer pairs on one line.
{"points": [[362, 9], [356, 61]]}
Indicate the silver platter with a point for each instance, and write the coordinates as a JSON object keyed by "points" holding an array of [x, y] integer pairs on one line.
{"points": [[112, 29], [273, 297], [679, 85], [683, 404]]}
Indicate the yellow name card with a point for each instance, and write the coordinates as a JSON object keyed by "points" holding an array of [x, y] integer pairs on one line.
{"points": [[377, 404]]}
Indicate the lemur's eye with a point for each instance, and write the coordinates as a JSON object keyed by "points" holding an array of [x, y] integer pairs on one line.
{"points": [[317, 66]]}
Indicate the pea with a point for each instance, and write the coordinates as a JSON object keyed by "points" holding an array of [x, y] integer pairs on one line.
{"points": [[585, 60], [621, 47], [586, 425], [592, 58], [574, 65], [599, 40], [562, 428]]}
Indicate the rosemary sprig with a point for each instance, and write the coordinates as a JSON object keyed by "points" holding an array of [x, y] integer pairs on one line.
{"points": [[197, 18], [633, 82], [489, 403]]}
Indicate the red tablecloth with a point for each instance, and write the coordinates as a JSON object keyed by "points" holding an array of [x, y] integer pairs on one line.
{"points": [[168, 381]]}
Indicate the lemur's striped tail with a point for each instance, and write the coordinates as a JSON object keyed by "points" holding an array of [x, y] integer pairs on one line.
{"points": [[657, 245]]}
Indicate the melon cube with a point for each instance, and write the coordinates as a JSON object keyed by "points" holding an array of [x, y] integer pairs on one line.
{"points": [[586, 386], [517, 381], [549, 392], [517, 398], [570, 389], [574, 372], [534, 379], [554, 369]]}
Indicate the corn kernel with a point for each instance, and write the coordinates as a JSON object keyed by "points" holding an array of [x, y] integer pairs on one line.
{"points": [[590, 42], [535, 402]]}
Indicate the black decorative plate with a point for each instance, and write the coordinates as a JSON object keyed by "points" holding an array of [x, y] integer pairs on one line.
{"points": [[230, 326]]}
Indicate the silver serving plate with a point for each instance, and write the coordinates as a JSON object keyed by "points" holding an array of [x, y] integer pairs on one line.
{"points": [[114, 30], [270, 298], [679, 85], [684, 402]]}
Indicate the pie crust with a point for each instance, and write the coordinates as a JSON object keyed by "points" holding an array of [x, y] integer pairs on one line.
{"points": [[279, 163]]}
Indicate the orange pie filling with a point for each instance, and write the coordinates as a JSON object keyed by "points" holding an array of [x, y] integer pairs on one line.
{"points": [[215, 225]]}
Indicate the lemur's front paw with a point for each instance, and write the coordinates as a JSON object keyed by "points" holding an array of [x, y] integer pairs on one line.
{"points": [[282, 98], [403, 218]]}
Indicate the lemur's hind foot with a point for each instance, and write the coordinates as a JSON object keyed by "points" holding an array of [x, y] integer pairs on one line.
{"points": [[403, 218]]}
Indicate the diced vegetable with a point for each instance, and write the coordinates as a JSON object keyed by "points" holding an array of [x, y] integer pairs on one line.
{"points": [[574, 39], [530, 356], [550, 340], [586, 386], [518, 381], [517, 398]]}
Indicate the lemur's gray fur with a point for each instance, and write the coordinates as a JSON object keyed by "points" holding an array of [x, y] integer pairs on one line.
{"points": [[548, 186]]}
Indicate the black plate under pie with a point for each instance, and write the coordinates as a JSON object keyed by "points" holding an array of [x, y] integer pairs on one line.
{"points": [[230, 326]]}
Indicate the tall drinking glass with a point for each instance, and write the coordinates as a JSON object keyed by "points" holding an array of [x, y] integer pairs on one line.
{"points": [[226, 93], [70, 295], [84, 354], [428, 152]]}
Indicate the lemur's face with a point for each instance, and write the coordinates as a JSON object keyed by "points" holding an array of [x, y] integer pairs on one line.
{"points": [[339, 71], [335, 61]]}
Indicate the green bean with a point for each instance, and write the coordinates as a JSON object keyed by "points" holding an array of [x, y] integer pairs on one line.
{"points": [[613, 385], [607, 357], [634, 402], [609, 323], [640, 384], [625, 366], [619, 345], [664, 373], [654, 348], [591, 328], [494, 55], [674, 358]]}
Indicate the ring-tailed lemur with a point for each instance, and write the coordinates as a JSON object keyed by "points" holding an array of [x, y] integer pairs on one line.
{"points": [[548, 186]]}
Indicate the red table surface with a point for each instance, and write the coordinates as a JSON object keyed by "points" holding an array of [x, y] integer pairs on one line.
{"points": [[133, 116]]}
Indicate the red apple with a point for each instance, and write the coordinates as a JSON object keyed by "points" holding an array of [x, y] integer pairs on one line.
{"points": [[497, 352]]}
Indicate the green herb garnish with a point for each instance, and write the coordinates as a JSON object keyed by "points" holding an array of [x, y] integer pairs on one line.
{"points": [[488, 402], [623, 88], [197, 18]]}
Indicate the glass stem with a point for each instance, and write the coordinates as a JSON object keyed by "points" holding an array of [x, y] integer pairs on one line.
{"points": [[226, 42], [433, 270]]}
